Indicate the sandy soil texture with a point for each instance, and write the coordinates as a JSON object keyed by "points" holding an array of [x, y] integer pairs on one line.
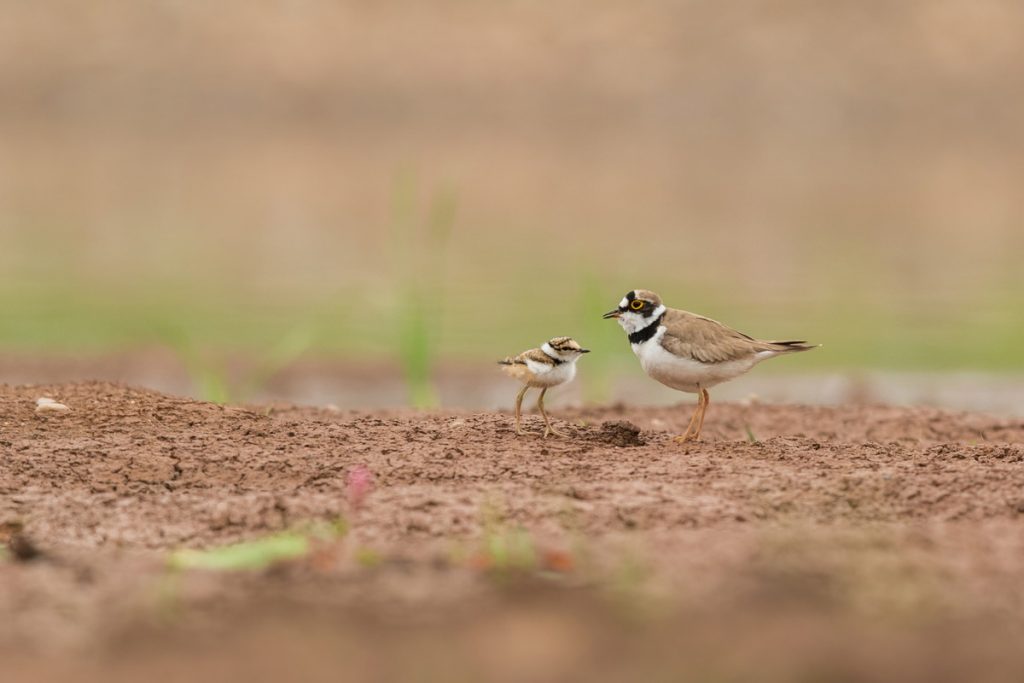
{"points": [[861, 543]]}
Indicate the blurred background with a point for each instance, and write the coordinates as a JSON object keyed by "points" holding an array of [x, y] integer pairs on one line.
{"points": [[364, 204]]}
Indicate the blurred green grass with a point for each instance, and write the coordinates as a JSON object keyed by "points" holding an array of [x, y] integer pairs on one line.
{"points": [[771, 170], [494, 320]]}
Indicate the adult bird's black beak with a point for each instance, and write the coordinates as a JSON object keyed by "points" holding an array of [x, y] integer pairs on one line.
{"points": [[612, 314], [584, 350]]}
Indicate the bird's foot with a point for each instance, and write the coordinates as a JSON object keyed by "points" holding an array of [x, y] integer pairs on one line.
{"points": [[688, 437], [551, 430]]}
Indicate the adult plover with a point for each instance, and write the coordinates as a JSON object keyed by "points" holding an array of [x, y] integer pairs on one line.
{"points": [[552, 364], [689, 352]]}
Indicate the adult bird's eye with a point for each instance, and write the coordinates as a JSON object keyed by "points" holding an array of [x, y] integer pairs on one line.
{"points": [[637, 304]]}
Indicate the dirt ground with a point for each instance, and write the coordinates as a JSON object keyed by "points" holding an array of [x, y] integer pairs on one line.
{"points": [[794, 543]]}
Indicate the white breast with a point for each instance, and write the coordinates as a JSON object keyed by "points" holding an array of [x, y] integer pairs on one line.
{"points": [[550, 375], [686, 374]]}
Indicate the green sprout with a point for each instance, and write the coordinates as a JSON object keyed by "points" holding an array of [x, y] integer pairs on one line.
{"points": [[284, 353], [599, 336], [509, 550], [248, 555], [259, 553], [504, 550], [420, 250], [368, 558], [210, 376], [750, 433]]}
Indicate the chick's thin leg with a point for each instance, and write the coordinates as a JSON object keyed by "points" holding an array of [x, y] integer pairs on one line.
{"points": [[548, 429], [519, 408]]}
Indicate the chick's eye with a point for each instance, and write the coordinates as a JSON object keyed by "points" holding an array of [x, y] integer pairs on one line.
{"points": [[637, 304]]}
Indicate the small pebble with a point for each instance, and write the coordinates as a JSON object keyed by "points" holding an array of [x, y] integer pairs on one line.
{"points": [[48, 405]]}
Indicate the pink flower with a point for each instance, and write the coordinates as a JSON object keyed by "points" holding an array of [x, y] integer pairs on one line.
{"points": [[358, 484]]}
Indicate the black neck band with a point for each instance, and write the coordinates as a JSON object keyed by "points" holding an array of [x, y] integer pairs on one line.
{"points": [[554, 359], [640, 336]]}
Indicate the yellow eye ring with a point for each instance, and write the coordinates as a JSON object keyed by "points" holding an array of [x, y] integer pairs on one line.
{"points": [[636, 304]]}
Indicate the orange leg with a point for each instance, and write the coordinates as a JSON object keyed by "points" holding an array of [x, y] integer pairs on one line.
{"points": [[693, 429], [707, 399]]}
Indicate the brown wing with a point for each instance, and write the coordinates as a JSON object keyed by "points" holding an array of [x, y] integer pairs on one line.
{"points": [[693, 336], [515, 366], [538, 356]]}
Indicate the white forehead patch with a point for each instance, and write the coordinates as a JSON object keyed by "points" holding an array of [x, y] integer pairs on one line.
{"points": [[632, 321], [624, 302]]}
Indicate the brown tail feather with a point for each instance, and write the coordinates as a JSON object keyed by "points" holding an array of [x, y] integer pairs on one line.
{"points": [[787, 346]]}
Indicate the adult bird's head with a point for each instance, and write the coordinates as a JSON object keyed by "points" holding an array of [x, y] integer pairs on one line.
{"points": [[638, 309]]}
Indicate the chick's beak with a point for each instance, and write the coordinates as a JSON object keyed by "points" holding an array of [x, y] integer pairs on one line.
{"points": [[584, 350], [612, 314]]}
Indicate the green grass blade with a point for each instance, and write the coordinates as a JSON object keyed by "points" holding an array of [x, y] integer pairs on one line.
{"points": [[248, 555]]}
